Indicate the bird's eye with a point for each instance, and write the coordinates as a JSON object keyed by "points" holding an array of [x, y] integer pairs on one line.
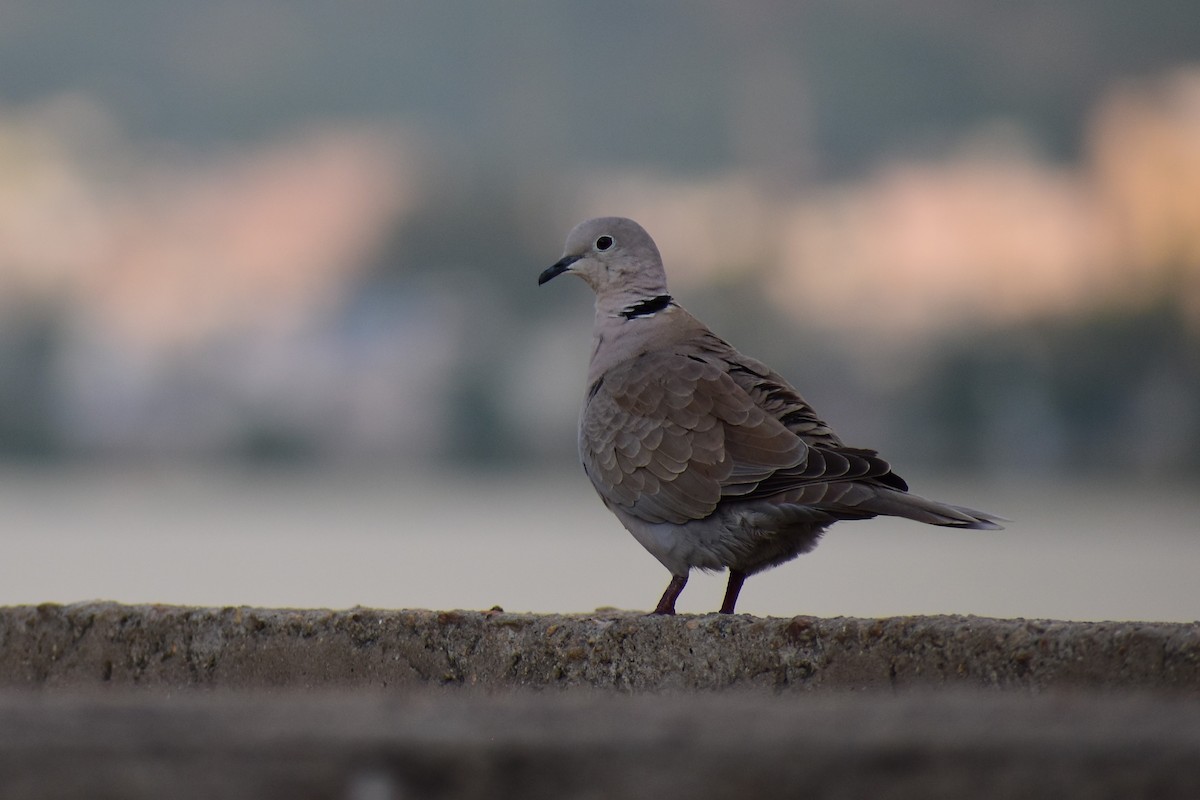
{"points": [[604, 242]]}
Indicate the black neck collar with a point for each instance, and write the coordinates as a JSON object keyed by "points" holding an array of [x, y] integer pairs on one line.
{"points": [[645, 308]]}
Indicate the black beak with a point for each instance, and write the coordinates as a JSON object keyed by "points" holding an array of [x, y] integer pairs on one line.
{"points": [[558, 269]]}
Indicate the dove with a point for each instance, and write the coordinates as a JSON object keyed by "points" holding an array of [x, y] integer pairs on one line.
{"points": [[709, 458]]}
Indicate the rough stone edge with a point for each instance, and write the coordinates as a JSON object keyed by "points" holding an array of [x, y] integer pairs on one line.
{"points": [[107, 644]]}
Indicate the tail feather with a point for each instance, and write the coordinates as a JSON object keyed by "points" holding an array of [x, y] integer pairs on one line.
{"points": [[922, 509]]}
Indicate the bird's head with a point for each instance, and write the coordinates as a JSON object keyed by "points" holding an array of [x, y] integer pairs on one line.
{"points": [[615, 256]]}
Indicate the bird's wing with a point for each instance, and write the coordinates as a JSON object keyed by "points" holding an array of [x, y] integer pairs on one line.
{"points": [[774, 395], [770, 392], [669, 435]]}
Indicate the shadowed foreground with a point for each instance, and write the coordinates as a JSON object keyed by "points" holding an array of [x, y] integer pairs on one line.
{"points": [[376, 746], [369, 705]]}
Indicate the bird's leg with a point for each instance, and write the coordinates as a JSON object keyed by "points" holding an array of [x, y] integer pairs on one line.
{"points": [[666, 606], [736, 579]]}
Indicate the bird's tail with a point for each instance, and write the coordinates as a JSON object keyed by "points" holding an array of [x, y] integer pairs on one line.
{"points": [[892, 503]]}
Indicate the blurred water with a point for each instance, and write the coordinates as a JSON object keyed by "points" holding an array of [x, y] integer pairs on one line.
{"points": [[544, 543]]}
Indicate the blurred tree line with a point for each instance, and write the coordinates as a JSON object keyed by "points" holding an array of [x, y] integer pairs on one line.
{"points": [[522, 101], [1114, 391]]}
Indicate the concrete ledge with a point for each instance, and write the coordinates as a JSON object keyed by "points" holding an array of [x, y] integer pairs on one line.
{"points": [[102, 644], [103, 700]]}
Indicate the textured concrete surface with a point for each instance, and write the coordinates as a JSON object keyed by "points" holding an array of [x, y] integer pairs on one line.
{"points": [[108, 701], [102, 644]]}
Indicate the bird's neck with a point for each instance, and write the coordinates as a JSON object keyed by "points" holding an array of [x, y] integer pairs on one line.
{"points": [[632, 328], [647, 307], [633, 304]]}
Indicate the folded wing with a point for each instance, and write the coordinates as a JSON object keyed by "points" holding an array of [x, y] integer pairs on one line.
{"points": [[668, 436]]}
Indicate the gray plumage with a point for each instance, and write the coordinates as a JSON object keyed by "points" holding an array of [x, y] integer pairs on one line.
{"points": [[708, 457]]}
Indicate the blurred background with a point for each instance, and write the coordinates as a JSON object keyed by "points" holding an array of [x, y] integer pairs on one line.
{"points": [[269, 329]]}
